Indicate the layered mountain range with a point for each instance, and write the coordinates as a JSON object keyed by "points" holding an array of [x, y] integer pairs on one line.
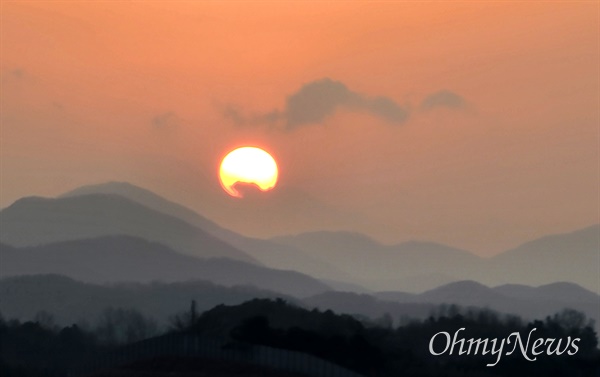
{"points": [[72, 301], [121, 227], [156, 256]]}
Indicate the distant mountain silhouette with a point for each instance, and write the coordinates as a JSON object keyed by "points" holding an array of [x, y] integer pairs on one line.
{"points": [[35, 221], [344, 286], [526, 302], [349, 261], [417, 266], [370, 306], [125, 258], [153, 201], [462, 293], [71, 301], [282, 210], [565, 292], [269, 253], [414, 266], [352, 261], [571, 257]]}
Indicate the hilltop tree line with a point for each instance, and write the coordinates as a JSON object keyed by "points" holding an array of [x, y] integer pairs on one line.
{"points": [[377, 348], [370, 347]]}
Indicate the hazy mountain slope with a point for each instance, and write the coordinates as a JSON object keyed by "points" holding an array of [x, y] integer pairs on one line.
{"points": [[343, 257], [269, 253], [344, 286], [416, 266], [71, 301], [153, 201], [369, 306], [526, 301], [353, 258], [561, 291], [571, 257], [34, 221], [334, 246], [395, 296], [413, 283], [124, 258], [411, 266], [464, 293]]}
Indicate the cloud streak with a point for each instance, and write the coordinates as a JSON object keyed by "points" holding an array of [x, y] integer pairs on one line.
{"points": [[321, 99], [318, 100]]}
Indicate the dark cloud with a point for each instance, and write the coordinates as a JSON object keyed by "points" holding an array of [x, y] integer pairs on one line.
{"points": [[167, 120], [443, 98], [318, 100]]}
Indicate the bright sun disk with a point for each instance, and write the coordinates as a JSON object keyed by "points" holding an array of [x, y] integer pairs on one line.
{"points": [[248, 165]]}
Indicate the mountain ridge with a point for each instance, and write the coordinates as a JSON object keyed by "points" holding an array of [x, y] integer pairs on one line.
{"points": [[355, 261], [126, 258], [51, 220], [266, 252]]}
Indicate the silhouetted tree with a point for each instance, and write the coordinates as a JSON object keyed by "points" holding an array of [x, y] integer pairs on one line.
{"points": [[119, 326]]}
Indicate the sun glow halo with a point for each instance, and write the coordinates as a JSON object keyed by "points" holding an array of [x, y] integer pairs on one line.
{"points": [[248, 165]]}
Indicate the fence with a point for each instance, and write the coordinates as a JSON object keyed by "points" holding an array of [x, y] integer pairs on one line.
{"points": [[184, 345]]}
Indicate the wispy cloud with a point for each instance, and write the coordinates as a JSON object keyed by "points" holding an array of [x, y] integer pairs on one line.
{"points": [[316, 101], [443, 98]]}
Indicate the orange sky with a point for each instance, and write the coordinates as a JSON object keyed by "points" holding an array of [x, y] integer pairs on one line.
{"points": [[136, 91]]}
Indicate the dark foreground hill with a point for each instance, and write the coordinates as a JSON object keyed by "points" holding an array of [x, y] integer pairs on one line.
{"points": [[362, 346], [405, 350]]}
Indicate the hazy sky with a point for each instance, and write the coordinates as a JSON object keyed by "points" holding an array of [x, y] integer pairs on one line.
{"points": [[474, 124]]}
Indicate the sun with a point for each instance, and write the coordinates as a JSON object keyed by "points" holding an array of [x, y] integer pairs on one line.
{"points": [[248, 165]]}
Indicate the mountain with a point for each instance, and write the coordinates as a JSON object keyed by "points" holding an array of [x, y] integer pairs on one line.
{"points": [[35, 221], [269, 253], [467, 293], [155, 202], [369, 306], [284, 210], [528, 302], [350, 261], [411, 266], [571, 257], [417, 266], [565, 292], [125, 258], [71, 301]]}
